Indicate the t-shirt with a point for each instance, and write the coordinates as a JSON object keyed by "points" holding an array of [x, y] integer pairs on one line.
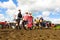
{"points": [[19, 15], [30, 19], [37, 20], [25, 17]]}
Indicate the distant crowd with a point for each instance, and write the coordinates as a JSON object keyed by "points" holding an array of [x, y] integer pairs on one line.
{"points": [[27, 22]]}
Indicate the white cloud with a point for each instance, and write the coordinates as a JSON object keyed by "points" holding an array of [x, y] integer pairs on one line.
{"points": [[11, 12], [56, 11], [56, 21], [31, 5], [53, 20], [40, 4], [1, 17], [9, 4], [45, 13]]}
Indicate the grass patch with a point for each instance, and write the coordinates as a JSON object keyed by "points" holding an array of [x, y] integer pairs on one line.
{"points": [[57, 27]]}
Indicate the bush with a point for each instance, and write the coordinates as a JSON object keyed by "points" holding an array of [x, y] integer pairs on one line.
{"points": [[0, 26]]}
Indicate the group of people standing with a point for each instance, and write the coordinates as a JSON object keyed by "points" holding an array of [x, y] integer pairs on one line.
{"points": [[27, 21]]}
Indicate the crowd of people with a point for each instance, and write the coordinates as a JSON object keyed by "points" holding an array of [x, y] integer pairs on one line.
{"points": [[27, 21]]}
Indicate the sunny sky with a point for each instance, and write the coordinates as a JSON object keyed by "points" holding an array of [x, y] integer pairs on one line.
{"points": [[48, 9]]}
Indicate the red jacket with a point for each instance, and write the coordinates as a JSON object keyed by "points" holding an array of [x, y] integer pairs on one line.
{"points": [[25, 17], [30, 21]]}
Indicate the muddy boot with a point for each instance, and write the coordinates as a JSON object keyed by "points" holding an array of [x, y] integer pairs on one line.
{"points": [[8, 27], [31, 28], [2, 27], [24, 27], [19, 27], [40, 28], [16, 27]]}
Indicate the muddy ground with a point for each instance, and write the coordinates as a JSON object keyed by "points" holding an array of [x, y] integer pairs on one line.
{"points": [[44, 34]]}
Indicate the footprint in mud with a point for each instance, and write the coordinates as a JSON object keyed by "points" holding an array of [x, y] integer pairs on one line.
{"points": [[35, 36], [40, 35], [54, 35], [6, 39], [42, 39], [29, 37], [0, 37], [22, 33], [47, 36]]}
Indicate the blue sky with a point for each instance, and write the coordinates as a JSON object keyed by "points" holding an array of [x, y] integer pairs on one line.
{"points": [[48, 9]]}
